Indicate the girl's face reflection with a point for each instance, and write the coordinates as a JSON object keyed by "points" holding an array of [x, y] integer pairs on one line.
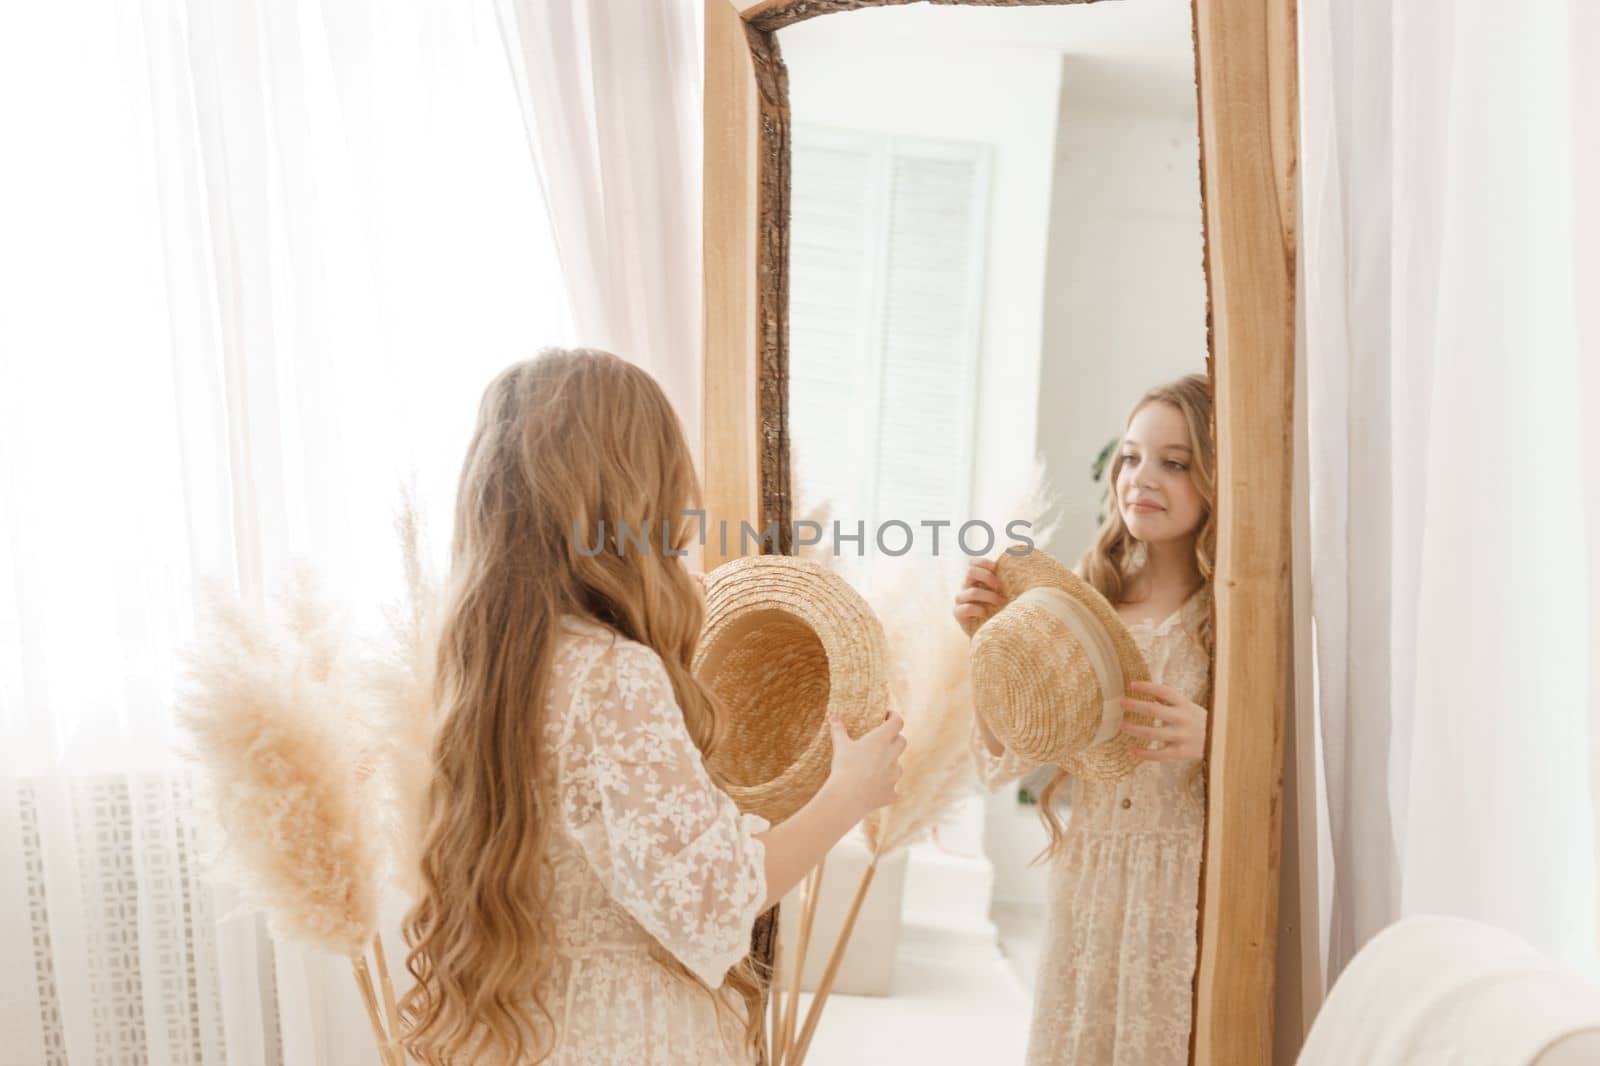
{"points": [[1155, 492]]}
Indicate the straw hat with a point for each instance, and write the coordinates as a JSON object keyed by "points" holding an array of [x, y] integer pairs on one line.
{"points": [[1049, 668], [786, 645]]}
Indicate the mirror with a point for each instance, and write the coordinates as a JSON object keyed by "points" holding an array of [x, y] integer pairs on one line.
{"points": [[995, 247]]}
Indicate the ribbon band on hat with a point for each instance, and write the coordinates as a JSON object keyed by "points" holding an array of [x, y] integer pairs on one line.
{"points": [[1097, 648]]}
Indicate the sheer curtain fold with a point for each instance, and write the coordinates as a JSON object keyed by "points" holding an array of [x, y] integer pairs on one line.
{"points": [[611, 98], [258, 263], [1583, 36], [1453, 473]]}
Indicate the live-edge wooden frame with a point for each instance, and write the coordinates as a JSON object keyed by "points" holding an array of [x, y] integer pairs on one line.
{"points": [[1246, 75]]}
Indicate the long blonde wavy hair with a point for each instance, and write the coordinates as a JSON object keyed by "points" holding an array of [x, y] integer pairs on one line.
{"points": [[563, 441], [1113, 560]]}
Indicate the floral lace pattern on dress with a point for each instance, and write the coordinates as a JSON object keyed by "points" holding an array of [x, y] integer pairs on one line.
{"points": [[645, 849], [1116, 969]]}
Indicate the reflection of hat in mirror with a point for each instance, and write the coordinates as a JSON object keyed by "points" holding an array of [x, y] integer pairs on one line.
{"points": [[786, 645], [1049, 668]]}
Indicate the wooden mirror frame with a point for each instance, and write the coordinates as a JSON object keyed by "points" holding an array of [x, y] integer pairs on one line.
{"points": [[1246, 76]]}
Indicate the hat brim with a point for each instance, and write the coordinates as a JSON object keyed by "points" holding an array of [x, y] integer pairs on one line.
{"points": [[1113, 760]]}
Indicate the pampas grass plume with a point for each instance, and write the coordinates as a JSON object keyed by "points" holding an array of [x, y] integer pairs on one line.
{"points": [[931, 686], [399, 677], [274, 716]]}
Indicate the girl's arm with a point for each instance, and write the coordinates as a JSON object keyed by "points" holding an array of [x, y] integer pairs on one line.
{"points": [[862, 779], [671, 848]]}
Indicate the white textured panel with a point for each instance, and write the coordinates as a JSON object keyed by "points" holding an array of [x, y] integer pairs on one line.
{"points": [[887, 255], [144, 925], [934, 263], [832, 266]]}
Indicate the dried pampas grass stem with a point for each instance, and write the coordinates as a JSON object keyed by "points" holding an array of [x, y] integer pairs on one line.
{"points": [[391, 1010], [388, 1049], [775, 994], [797, 1054], [400, 679], [808, 917]]}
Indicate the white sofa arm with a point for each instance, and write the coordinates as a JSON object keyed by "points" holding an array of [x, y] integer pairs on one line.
{"points": [[1431, 990]]}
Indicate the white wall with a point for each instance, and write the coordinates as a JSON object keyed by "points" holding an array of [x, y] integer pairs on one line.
{"points": [[993, 94], [1125, 282]]}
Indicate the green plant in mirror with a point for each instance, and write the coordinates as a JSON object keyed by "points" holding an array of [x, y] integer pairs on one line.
{"points": [[1097, 472]]}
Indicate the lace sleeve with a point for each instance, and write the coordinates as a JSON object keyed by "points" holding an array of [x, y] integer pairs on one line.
{"points": [[669, 846], [996, 770]]}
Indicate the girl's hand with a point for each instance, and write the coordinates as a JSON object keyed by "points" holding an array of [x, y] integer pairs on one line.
{"points": [[866, 771], [980, 595], [864, 774], [1180, 723]]}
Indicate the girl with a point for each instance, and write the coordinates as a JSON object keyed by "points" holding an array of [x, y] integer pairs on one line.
{"points": [[588, 891], [1116, 970]]}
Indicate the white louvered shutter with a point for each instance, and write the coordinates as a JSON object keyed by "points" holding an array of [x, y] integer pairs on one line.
{"points": [[886, 259]]}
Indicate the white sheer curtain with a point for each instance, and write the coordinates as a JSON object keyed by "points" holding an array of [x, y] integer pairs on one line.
{"points": [[611, 100], [257, 262], [1452, 217]]}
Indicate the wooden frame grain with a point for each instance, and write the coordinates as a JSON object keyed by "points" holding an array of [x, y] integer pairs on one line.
{"points": [[1246, 76]]}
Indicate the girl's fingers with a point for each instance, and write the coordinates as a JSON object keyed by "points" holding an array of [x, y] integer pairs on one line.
{"points": [[1162, 693], [1152, 732], [982, 573], [1166, 712], [890, 727], [1163, 755], [980, 595]]}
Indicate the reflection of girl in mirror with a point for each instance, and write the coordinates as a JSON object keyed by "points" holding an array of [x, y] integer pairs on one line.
{"points": [[588, 892], [1116, 969]]}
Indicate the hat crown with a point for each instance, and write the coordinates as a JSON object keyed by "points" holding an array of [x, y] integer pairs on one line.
{"points": [[1028, 659], [1048, 670]]}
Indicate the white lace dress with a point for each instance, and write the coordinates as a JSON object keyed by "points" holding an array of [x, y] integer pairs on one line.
{"points": [[1117, 964], [644, 848]]}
